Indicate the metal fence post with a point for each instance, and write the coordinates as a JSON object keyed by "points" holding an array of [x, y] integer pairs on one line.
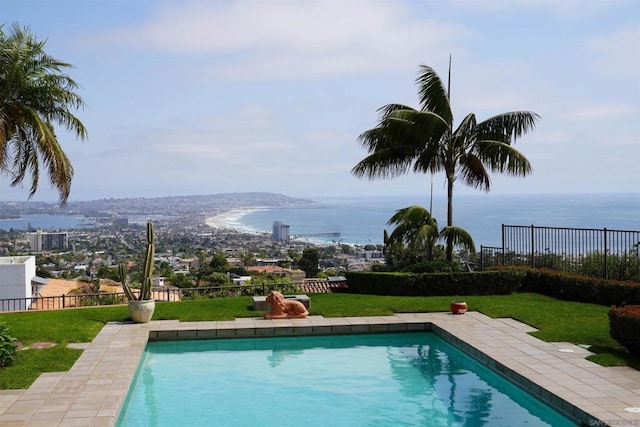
{"points": [[533, 247], [606, 270], [504, 257]]}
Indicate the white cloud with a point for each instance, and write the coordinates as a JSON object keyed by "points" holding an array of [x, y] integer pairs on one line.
{"points": [[282, 39]]}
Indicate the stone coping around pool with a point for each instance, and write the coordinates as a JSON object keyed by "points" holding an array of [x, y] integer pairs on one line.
{"points": [[93, 391]]}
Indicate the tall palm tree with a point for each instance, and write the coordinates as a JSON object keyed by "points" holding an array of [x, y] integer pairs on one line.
{"points": [[425, 141], [35, 93], [418, 230]]}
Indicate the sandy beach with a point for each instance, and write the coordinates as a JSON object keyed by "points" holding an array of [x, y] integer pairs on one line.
{"points": [[230, 220]]}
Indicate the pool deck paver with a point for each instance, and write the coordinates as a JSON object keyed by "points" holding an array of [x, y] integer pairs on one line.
{"points": [[93, 391]]}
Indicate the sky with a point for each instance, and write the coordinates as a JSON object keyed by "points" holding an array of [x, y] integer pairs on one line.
{"points": [[206, 97]]}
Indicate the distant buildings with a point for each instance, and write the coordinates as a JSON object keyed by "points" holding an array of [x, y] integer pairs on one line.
{"points": [[294, 274], [370, 255], [42, 241], [280, 232], [121, 222]]}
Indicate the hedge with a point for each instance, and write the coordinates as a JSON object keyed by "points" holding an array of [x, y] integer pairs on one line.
{"points": [[624, 324], [498, 281], [576, 287], [434, 284]]}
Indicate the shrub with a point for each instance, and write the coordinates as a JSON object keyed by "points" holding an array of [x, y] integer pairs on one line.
{"points": [[624, 266], [406, 284], [550, 261], [624, 324], [8, 347], [433, 266], [580, 288]]}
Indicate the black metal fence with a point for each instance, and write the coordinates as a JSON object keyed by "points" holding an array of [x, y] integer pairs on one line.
{"points": [[159, 294], [609, 254]]}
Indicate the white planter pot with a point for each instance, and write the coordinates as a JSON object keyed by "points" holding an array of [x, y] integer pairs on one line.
{"points": [[141, 311]]}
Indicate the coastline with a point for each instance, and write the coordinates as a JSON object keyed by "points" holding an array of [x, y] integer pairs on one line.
{"points": [[230, 220], [361, 221]]}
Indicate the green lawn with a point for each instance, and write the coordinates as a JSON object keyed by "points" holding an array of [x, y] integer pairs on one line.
{"points": [[556, 320]]}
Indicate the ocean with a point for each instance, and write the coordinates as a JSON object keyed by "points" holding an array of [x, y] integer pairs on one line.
{"points": [[362, 220], [45, 222]]}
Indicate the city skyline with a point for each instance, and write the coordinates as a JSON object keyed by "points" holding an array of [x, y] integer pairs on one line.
{"points": [[191, 98]]}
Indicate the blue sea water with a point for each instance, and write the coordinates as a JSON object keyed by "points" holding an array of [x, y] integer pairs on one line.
{"points": [[45, 222], [362, 220]]}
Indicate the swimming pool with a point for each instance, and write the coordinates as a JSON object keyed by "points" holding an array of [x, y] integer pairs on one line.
{"points": [[356, 380]]}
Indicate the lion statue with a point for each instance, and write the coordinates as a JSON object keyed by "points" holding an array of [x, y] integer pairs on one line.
{"points": [[283, 308]]}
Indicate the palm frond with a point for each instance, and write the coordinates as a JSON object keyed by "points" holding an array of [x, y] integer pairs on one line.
{"points": [[35, 93], [459, 238], [415, 227], [501, 157], [382, 164], [473, 172], [433, 94], [424, 126], [465, 131], [511, 125], [386, 110]]}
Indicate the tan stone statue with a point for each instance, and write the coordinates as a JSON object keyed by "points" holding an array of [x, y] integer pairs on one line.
{"points": [[282, 308]]}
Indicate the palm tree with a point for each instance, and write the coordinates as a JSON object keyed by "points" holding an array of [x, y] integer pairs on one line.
{"points": [[425, 141], [418, 230], [35, 93]]}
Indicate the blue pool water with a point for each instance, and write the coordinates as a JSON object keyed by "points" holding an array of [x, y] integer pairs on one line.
{"points": [[405, 379]]}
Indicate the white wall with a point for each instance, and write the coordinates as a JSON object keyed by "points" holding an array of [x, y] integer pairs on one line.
{"points": [[15, 279]]}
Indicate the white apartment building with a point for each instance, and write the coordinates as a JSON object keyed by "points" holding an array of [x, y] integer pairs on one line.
{"points": [[16, 281], [43, 241], [280, 231]]}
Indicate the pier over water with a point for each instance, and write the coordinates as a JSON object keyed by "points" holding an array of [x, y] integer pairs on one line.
{"points": [[307, 235]]}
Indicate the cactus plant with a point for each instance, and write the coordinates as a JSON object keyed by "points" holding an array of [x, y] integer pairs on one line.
{"points": [[147, 272]]}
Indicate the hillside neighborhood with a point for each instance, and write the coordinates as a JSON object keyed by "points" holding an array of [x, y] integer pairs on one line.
{"points": [[52, 263]]}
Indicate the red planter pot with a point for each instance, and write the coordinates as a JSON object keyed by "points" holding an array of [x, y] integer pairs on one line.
{"points": [[458, 307]]}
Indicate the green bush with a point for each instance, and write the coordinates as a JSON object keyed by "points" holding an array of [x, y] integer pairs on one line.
{"points": [[624, 266], [580, 288], [433, 266], [624, 324], [8, 347], [549, 260], [592, 264], [436, 284]]}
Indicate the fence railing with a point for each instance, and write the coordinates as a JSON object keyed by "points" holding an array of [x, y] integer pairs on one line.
{"points": [[610, 254], [159, 294]]}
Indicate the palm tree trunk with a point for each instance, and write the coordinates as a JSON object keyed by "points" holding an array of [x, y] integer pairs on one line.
{"points": [[449, 216]]}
